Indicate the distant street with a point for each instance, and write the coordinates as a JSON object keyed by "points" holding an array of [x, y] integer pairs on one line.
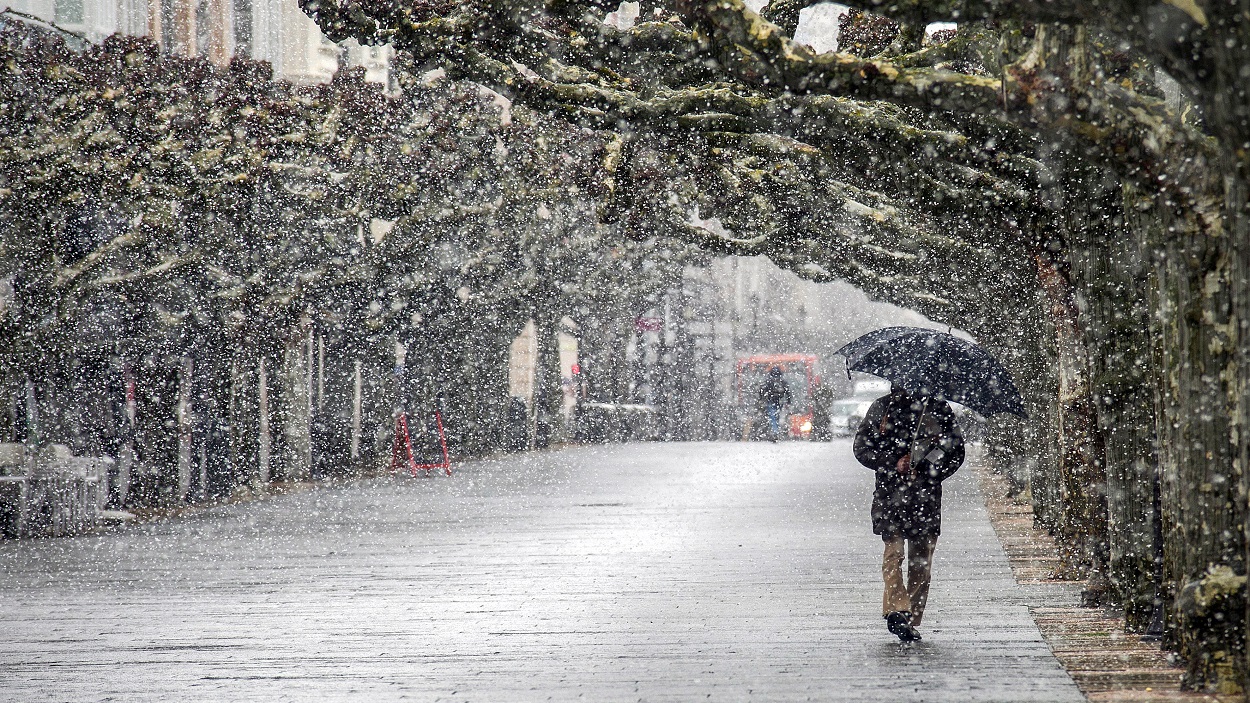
{"points": [[631, 572]]}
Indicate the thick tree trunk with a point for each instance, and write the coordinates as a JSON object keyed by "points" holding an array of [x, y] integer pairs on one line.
{"points": [[1238, 207], [467, 381], [1228, 112], [1040, 434], [211, 458], [1083, 515], [548, 390], [1112, 275], [292, 393], [1202, 510], [264, 427], [1019, 334]]}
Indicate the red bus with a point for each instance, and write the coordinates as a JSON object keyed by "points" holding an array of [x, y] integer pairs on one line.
{"points": [[799, 373]]}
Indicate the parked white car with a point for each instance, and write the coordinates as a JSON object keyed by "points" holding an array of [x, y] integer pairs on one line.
{"points": [[845, 414]]}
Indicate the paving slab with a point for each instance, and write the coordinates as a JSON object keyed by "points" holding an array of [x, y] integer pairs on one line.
{"points": [[639, 572]]}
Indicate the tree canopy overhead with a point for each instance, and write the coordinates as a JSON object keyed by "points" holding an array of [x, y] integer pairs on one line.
{"points": [[929, 149]]}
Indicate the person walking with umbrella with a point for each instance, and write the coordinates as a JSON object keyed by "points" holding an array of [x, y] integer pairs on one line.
{"points": [[914, 445], [909, 438]]}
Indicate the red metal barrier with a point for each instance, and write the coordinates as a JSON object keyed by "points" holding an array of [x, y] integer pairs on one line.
{"points": [[403, 441]]}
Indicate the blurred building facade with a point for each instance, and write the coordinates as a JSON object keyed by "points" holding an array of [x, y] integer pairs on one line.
{"points": [[685, 362], [276, 31]]}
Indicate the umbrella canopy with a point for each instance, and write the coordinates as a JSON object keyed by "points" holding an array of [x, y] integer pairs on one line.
{"points": [[930, 363]]}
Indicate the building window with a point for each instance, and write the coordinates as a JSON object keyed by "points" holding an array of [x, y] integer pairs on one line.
{"points": [[243, 27], [69, 11]]}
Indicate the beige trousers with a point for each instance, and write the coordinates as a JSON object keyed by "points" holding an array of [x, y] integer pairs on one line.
{"points": [[913, 595]]}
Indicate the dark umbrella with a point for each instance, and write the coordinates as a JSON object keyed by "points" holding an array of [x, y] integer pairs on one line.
{"points": [[931, 363]]}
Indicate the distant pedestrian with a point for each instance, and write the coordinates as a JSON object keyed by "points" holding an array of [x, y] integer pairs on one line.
{"points": [[914, 445], [775, 396]]}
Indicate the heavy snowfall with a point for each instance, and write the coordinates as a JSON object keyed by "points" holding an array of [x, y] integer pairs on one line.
{"points": [[554, 349]]}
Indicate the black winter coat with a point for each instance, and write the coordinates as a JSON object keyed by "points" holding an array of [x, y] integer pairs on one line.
{"points": [[774, 391], [909, 505]]}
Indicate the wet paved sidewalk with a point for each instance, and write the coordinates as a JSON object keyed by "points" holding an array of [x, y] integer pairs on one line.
{"points": [[640, 572]]}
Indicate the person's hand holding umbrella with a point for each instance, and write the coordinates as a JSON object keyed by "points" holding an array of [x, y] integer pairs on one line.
{"points": [[904, 465]]}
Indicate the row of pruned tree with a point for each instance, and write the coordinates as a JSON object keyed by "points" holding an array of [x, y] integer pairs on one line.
{"points": [[1065, 180], [210, 270]]}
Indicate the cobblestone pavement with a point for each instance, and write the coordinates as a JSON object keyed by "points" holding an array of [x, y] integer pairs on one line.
{"points": [[648, 572]]}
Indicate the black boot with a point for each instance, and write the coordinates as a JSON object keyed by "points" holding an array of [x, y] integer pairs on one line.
{"points": [[899, 623]]}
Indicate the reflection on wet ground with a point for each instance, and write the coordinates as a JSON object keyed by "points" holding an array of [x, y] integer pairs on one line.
{"points": [[634, 572]]}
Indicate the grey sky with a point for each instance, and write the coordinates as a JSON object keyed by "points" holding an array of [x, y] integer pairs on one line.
{"points": [[818, 26]]}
